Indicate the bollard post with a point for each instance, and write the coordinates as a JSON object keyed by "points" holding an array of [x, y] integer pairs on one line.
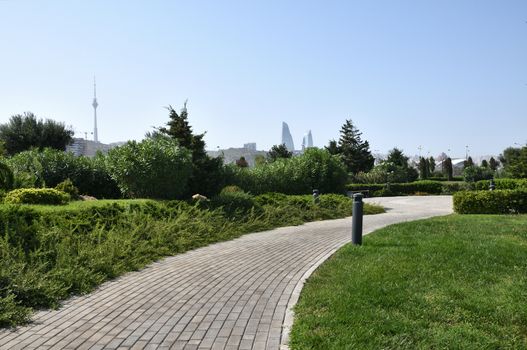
{"points": [[356, 220], [316, 198], [492, 186]]}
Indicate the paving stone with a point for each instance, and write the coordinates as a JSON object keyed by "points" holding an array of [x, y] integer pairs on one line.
{"points": [[230, 295]]}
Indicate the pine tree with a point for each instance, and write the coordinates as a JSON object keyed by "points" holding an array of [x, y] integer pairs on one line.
{"points": [[355, 152], [333, 148], [468, 162], [484, 163], [493, 164], [449, 169], [431, 165], [423, 168]]}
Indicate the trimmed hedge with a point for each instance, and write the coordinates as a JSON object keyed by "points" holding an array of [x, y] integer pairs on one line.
{"points": [[399, 189], [502, 184], [491, 202], [37, 196]]}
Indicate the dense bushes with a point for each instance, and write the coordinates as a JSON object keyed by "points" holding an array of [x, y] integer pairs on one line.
{"points": [[315, 169], [399, 189], [153, 168], [502, 184], [37, 196], [50, 254], [50, 167], [491, 202]]}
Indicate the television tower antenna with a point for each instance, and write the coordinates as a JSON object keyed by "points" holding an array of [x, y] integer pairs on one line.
{"points": [[95, 105]]}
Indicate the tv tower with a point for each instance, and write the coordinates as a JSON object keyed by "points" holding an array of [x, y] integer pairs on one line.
{"points": [[95, 104]]}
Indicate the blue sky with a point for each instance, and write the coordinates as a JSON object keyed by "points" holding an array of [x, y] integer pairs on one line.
{"points": [[440, 74]]}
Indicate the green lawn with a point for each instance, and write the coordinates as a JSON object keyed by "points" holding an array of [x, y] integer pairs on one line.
{"points": [[455, 282]]}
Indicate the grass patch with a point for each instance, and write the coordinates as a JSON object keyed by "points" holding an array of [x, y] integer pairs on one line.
{"points": [[48, 253], [453, 282]]}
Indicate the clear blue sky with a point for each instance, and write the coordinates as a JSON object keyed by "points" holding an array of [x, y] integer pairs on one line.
{"points": [[441, 74]]}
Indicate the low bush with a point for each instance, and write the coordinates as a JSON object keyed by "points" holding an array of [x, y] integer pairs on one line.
{"points": [[491, 202], [453, 187], [67, 186], [502, 184], [49, 253], [36, 196], [399, 189]]}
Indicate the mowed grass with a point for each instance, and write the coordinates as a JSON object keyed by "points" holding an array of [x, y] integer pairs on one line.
{"points": [[455, 282]]}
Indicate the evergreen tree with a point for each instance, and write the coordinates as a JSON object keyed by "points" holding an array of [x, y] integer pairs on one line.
{"points": [[397, 157], [242, 162], [484, 163], [424, 168], [468, 162], [493, 164], [333, 148], [449, 170], [355, 153], [207, 173], [431, 165], [279, 151]]}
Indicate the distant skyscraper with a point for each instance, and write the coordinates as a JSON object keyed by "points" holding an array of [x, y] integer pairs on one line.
{"points": [[307, 140], [287, 139], [95, 105]]}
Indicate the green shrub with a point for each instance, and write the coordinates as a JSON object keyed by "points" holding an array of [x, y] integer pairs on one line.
{"points": [[235, 203], [453, 187], [502, 184], [399, 189], [315, 169], [36, 196], [49, 167], [491, 202], [153, 168], [475, 173], [67, 186], [231, 189]]}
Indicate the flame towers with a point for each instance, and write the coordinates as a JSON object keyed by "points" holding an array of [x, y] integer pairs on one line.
{"points": [[287, 139]]}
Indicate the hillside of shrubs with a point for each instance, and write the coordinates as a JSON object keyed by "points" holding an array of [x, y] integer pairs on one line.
{"points": [[51, 252]]}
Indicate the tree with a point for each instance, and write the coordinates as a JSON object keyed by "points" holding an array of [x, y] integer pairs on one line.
{"points": [[493, 164], [208, 176], [468, 162], [242, 162], [278, 151], [449, 168], [484, 163], [423, 168], [156, 167], [333, 147], [355, 153], [475, 173], [25, 131], [514, 162], [259, 160], [431, 165]]}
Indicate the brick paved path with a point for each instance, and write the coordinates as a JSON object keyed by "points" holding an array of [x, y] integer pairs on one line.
{"points": [[230, 295]]}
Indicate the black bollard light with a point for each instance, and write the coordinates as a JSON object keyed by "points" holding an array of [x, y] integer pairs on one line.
{"points": [[316, 198], [356, 219]]}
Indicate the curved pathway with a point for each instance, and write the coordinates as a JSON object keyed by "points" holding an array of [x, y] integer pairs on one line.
{"points": [[231, 295]]}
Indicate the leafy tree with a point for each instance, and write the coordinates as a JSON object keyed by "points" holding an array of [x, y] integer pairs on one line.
{"points": [[514, 162], [278, 151], [208, 176], [153, 168], [424, 168], [242, 162], [25, 131], [449, 169], [355, 153], [6, 177], [484, 163], [431, 165], [493, 164]]}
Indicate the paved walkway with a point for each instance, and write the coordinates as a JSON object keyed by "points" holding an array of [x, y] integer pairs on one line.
{"points": [[230, 295]]}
